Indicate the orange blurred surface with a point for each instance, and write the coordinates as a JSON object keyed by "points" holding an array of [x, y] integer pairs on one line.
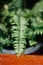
{"points": [[11, 59]]}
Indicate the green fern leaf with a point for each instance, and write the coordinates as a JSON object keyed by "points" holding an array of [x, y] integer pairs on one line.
{"points": [[19, 31], [32, 42]]}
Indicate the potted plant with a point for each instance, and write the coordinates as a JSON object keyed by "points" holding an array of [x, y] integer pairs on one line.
{"points": [[23, 26]]}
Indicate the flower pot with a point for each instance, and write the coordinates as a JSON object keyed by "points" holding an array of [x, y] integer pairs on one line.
{"points": [[29, 50], [9, 59]]}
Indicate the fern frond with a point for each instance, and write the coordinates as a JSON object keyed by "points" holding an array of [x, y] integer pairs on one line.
{"points": [[37, 18], [19, 31], [38, 31], [38, 8]]}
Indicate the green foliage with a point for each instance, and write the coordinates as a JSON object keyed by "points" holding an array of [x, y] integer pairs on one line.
{"points": [[32, 42], [15, 4], [19, 24], [37, 18], [36, 22]]}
